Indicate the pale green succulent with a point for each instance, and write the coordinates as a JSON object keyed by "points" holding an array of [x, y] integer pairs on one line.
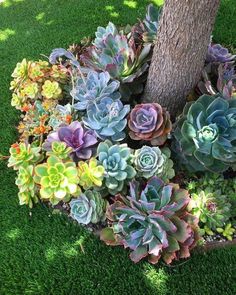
{"points": [[90, 207], [58, 180], [60, 150], [23, 155], [27, 189], [51, 90]]}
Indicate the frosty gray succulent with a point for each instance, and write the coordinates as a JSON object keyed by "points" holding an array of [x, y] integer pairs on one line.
{"points": [[93, 88], [102, 34], [107, 118], [90, 207]]}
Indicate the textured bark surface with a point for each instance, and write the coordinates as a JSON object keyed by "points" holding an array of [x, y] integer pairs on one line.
{"points": [[178, 59]]}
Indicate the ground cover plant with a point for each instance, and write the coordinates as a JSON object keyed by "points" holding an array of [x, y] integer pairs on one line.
{"points": [[22, 172]]}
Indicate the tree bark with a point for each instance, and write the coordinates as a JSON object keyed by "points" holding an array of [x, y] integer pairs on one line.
{"points": [[178, 58]]}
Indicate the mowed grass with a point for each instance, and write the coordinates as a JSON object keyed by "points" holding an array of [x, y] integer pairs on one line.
{"points": [[45, 253]]}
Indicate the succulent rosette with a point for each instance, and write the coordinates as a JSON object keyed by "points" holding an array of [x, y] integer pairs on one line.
{"points": [[115, 160], [149, 122], [205, 135], [90, 207], [78, 138], [27, 188], [153, 223], [58, 181], [107, 118], [149, 161], [23, 155], [95, 87], [51, 90], [90, 174], [218, 53]]}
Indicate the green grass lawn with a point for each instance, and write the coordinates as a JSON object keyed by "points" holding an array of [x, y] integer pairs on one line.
{"points": [[45, 253]]}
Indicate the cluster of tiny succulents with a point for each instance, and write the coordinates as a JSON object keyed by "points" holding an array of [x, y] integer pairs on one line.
{"points": [[90, 146]]}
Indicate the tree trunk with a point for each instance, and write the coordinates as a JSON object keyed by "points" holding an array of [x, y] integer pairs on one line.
{"points": [[178, 58]]}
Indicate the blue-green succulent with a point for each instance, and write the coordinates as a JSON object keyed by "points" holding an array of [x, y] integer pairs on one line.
{"points": [[115, 160], [90, 207], [151, 23], [107, 118], [93, 88], [205, 135]]}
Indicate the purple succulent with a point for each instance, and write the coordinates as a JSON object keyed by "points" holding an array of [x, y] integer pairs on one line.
{"points": [[218, 53], [80, 139]]}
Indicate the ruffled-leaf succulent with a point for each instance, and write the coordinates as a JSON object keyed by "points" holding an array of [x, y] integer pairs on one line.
{"points": [[90, 207], [78, 138], [205, 134], [58, 181], [149, 122], [150, 161], [115, 160], [27, 188], [153, 223], [107, 118], [90, 174], [23, 155], [93, 88], [218, 53]]}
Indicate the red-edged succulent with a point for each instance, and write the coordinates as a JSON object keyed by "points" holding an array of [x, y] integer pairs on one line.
{"points": [[153, 222]]}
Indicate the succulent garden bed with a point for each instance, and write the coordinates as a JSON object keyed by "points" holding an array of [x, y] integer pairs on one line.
{"points": [[89, 147]]}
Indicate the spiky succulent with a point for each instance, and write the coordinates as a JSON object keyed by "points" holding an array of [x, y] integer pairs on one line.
{"points": [[115, 160], [90, 207], [218, 53], [114, 53], [149, 122], [107, 118], [27, 189], [58, 181], [90, 174], [95, 87], [151, 23], [23, 155], [79, 139], [205, 134], [153, 222], [211, 209]]}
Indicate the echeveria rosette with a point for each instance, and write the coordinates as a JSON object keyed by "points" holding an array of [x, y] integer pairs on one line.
{"points": [[26, 185], [60, 150], [153, 223], [90, 207], [116, 161], [80, 139], [95, 87], [149, 122], [90, 174], [107, 118], [23, 155], [150, 161], [58, 181], [205, 136], [218, 53], [102, 33]]}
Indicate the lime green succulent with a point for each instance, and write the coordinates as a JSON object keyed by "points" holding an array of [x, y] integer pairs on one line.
{"points": [[23, 155], [27, 188], [60, 150], [18, 100], [21, 70], [227, 231], [30, 90], [90, 174], [58, 180], [51, 90]]}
